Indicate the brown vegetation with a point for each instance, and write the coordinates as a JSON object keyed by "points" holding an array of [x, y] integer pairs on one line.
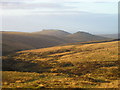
{"points": [[72, 66]]}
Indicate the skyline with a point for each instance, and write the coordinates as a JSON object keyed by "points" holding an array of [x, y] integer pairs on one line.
{"points": [[94, 16]]}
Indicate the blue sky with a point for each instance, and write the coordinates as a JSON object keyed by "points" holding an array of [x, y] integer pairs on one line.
{"points": [[94, 16]]}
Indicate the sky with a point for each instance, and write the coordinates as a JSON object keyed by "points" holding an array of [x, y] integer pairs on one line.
{"points": [[94, 16]]}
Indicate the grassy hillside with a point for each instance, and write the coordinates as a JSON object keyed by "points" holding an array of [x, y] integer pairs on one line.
{"points": [[17, 41], [71, 66]]}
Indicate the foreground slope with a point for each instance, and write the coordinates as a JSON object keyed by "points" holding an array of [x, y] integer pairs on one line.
{"points": [[71, 66]]}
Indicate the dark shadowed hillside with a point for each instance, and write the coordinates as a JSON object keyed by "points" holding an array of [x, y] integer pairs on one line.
{"points": [[15, 41]]}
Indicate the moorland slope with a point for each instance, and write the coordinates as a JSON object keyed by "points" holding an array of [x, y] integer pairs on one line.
{"points": [[72, 66]]}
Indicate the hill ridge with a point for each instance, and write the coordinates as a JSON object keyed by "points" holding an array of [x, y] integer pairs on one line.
{"points": [[13, 41]]}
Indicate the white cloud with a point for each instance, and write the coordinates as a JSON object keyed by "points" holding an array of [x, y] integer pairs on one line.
{"points": [[31, 6], [76, 0], [53, 1], [27, 7]]}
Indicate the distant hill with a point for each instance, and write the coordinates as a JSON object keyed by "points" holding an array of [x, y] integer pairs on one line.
{"points": [[84, 36], [114, 36], [51, 32], [15, 41]]}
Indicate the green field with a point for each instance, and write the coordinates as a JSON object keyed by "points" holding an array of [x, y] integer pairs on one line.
{"points": [[71, 66]]}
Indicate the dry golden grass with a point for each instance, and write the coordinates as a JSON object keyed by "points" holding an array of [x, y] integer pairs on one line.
{"points": [[114, 84], [51, 49], [72, 66]]}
